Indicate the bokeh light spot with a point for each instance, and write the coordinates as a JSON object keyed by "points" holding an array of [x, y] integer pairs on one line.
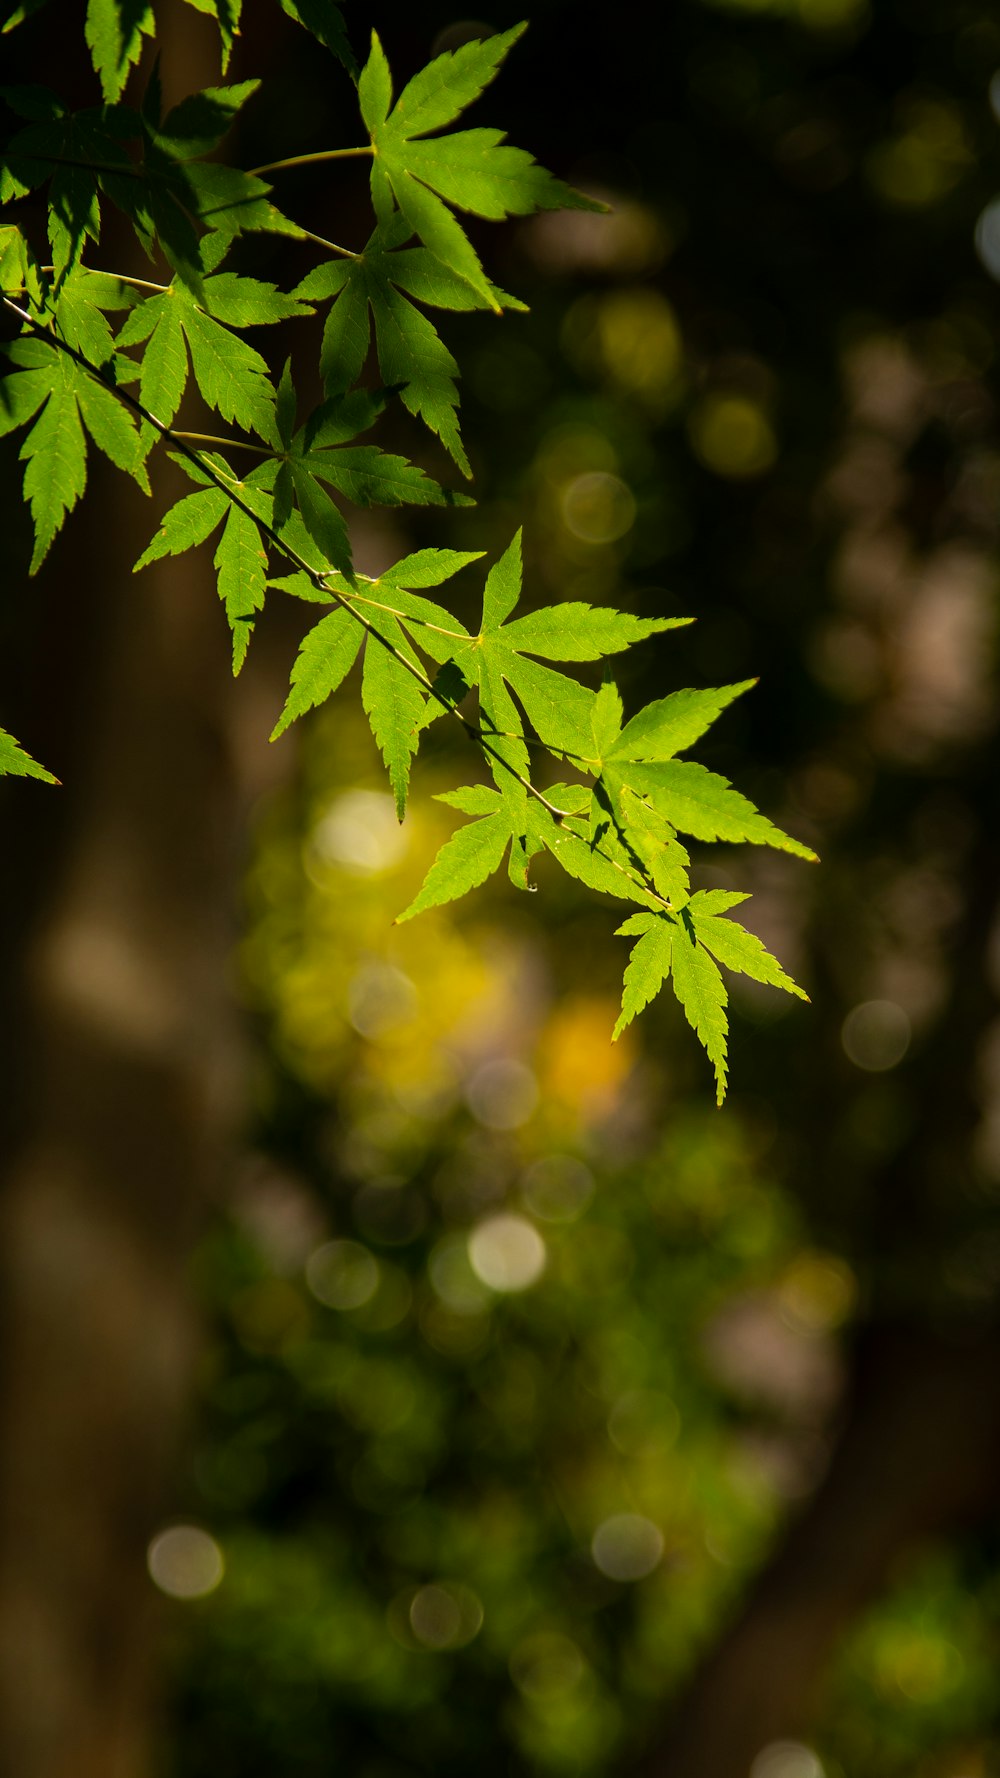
{"points": [[507, 1252], [786, 1759], [453, 1278], [342, 1274], [876, 1035], [185, 1562], [380, 999], [502, 1095], [445, 1616], [643, 1419], [597, 507], [546, 1664], [361, 833], [988, 237], [557, 1187], [627, 1547], [819, 1291], [733, 436], [640, 343]]}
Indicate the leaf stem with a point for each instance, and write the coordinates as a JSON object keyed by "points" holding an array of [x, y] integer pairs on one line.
{"points": [[309, 160], [230, 444], [331, 246], [123, 278]]}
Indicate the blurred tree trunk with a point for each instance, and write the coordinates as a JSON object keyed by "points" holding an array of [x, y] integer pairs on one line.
{"points": [[121, 1067], [121, 1077], [920, 1455]]}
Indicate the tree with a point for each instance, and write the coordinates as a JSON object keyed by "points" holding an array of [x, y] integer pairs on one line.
{"points": [[72, 382], [810, 416], [116, 991]]}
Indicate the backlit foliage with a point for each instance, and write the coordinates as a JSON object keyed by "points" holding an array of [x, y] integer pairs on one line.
{"points": [[104, 359]]}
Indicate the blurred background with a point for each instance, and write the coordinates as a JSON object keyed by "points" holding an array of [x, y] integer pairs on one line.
{"points": [[399, 1379]]}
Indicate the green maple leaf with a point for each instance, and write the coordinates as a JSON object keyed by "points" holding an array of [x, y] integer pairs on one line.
{"points": [[668, 947], [377, 286], [231, 376], [226, 14], [323, 19], [81, 154], [16, 15], [508, 821], [178, 185], [167, 195], [240, 557], [19, 274], [638, 762], [686, 947], [324, 660], [673, 724], [79, 312], [320, 455], [14, 762], [471, 170], [498, 661], [394, 695], [703, 804], [648, 966], [114, 31], [73, 404], [732, 945]]}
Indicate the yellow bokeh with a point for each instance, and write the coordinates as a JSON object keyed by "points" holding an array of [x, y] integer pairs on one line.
{"points": [[579, 1070], [732, 436], [640, 344], [925, 160]]}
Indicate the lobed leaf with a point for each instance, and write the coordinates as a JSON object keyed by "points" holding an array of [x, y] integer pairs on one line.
{"points": [[648, 966], [471, 170], [114, 31], [242, 566], [702, 993], [324, 660], [463, 863], [16, 763], [672, 724]]}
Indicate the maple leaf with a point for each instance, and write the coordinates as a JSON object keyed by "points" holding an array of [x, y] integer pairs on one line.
{"points": [[73, 404], [322, 454], [377, 285], [19, 274], [14, 762], [231, 376], [668, 947], [114, 34], [394, 685], [166, 196], [470, 170], [732, 945], [80, 154], [79, 312], [508, 820], [686, 946], [240, 557], [324, 21], [638, 762], [557, 707]]}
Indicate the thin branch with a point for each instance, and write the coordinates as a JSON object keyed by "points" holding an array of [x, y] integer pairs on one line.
{"points": [[318, 578]]}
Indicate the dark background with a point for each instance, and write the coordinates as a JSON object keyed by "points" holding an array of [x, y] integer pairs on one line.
{"points": [[762, 393]]}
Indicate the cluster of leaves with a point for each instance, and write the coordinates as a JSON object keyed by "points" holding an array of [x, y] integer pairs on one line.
{"points": [[616, 823]]}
